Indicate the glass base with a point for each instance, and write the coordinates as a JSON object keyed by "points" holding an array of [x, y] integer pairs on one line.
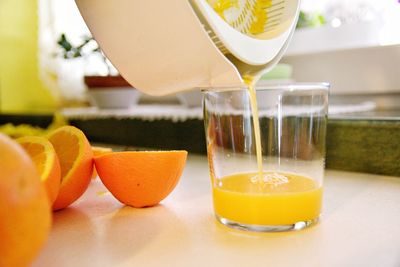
{"points": [[267, 228]]}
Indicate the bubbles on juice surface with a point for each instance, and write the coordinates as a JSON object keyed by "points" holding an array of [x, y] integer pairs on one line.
{"points": [[270, 178]]}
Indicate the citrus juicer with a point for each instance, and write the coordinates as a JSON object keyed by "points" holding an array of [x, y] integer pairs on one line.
{"points": [[164, 47], [252, 31]]}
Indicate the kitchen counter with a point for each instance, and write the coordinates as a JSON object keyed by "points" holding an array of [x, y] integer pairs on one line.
{"points": [[367, 142], [360, 226]]}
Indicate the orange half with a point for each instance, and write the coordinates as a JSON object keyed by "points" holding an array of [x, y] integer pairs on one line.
{"points": [[46, 161], [76, 161], [141, 178]]}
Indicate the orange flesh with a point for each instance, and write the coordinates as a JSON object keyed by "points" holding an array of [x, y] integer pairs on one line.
{"points": [[67, 149]]}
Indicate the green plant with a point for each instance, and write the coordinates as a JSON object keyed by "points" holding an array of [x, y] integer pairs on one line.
{"points": [[70, 51], [310, 20]]}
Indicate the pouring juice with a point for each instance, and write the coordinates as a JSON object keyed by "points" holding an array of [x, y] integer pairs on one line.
{"points": [[262, 197]]}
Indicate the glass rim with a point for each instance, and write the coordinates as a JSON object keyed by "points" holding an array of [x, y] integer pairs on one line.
{"points": [[289, 87]]}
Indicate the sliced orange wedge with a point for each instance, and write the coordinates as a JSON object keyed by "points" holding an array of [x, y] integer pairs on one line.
{"points": [[98, 151], [76, 161], [141, 178], [46, 161]]}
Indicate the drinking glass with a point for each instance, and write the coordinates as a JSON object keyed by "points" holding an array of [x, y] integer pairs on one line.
{"points": [[287, 193]]}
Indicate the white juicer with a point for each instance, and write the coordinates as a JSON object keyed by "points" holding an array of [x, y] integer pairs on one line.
{"points": [[164, 47]]}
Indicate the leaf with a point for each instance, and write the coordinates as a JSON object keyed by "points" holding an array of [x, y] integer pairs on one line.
{"points": [[310, 20], [64, 43]]}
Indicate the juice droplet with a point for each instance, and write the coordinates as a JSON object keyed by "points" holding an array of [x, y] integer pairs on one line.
{"points": [[102, 193]]}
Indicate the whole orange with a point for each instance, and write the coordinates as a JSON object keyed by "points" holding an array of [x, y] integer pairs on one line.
{"points": [[25, 213]]}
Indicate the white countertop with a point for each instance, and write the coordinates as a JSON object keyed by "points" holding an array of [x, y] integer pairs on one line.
{"points": [[360, 226]]}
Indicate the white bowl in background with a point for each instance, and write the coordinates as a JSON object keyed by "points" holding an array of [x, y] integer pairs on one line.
{"points": [[113, 98]]}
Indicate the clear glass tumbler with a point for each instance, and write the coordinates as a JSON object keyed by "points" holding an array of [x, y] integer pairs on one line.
{"points": [[287, 193]]}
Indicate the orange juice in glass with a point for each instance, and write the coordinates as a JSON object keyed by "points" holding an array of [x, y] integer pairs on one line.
{"points": [[282, 190]]}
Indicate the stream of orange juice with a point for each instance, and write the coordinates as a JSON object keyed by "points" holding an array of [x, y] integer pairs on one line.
{"points": [[256, 126], [284, 200]]}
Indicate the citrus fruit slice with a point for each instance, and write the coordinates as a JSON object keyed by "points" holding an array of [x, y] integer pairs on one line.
{"points": [[25, 214], [98, 151], [76, 161], [46, 161], [140, 178]]}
